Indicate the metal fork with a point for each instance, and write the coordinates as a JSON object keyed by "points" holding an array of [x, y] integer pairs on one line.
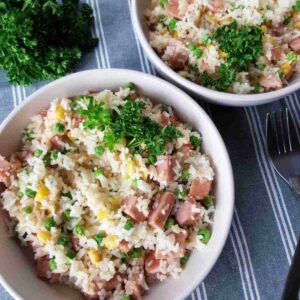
{"points": [[283, 143]]}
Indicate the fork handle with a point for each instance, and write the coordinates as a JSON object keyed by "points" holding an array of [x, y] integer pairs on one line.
{"points": [[295, 184]]}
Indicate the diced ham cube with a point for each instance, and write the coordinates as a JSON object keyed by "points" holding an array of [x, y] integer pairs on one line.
{"points": [[185, 214], [75, 242], [172, 8], [76, 120], [180, 240], [152, 266], [57, 142], [5, 171], [164, 168], [136, 291], [43, 271], [203, 66], [278, 29], [113, 283], [295, 44], [131, 209], [22, 155], [161, 210], [185, 150], [271, 82], [167, 119], [124, 246], [217, 6], [200, 188], [176, 55]]}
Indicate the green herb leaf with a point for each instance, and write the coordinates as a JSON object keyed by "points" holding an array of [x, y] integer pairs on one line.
{"points": [[172, 25], [49, 223]]}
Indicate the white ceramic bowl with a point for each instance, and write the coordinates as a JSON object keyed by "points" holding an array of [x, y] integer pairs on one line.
{"points": [[229, 99], [17, 273]]}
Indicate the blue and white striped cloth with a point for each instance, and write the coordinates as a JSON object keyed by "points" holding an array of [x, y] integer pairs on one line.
{"points": [[266, 222]]}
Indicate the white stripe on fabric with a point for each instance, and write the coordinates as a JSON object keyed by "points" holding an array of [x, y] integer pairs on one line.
{"points": [[265, 179], [297, 101], [199, 297], [193, 296], [239, 265], [14, 97], [203, 291], [244, 242], [242, 245], [98, 50], [294, 103], [291, 237], [102, 35], [290, 105]]}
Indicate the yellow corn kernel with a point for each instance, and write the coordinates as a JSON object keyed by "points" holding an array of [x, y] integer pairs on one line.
{"points": [[44, 236], [111, 242], [69, 135], [174, 34], [102, 214], [297, 25], [59, 113], [268, 39], [285, 68], [130, 166], [41, 193], [264, 28], [94, 256], [210, 18], [222, 54], [115, 202], [163, 31]]}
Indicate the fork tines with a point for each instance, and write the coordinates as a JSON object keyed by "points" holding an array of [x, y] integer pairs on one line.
{"points": [[282, 133]]}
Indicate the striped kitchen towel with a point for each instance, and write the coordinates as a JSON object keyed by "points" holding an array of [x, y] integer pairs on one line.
{"points": [[266, 222]]}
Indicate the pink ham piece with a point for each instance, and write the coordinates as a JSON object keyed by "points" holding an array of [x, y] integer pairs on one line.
{"points": [[75, 243], [217, 6], [185, 216], [176, 55], [200, 188], [180, 240], [164, 168], [43, 271], [57, 142], [173, 9], [131, 209], [76, 120], [295, 44], [271, 82], [124, 246], [5, 171], [151, 266], [185, 150], [161, 210], [113, 283], [167, 119]]}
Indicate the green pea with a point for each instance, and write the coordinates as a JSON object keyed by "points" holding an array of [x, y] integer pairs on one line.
{"points": [[49, 223], [99, 238], [71, 254], [54, 154], [184, 259], [59, 128], [27, 210], [67, 215], [208, 202], [30, 193], [52, 265], [99, 150], [172, 25], [63, 240], [128, 225], [98, 172], [78, 230], [170, 222], [38, 153], [205, 235]]}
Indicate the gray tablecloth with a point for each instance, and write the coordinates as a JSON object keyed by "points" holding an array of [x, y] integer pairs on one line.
{"points": [[266, 222]]}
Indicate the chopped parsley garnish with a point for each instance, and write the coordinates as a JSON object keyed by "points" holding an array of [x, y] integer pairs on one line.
{"points": [[78, 230], [291, 56], [241, 44], [63, 240], [30, 193], [52, 265], [195, 141], [197, 52], [180, 194], [27, 210], [49, 223], [28, 135], [172, 25], [129, 85], [67, 215], [261, 67], [184, 259], [96, 116], [99, 238], [287, 21], [98, 172], [134, 253], [128, 225], [162, 19], [163, 2], [99, 150], [54, 154], [38, 153], [184, 176], [71, 254], [67, 194], [170, 222], [208, 201], [296, 7], [44, 39], [257, 88], [225, 78], [280, 73]]}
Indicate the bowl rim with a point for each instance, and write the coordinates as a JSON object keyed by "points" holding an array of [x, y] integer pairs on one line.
{"points": [[198, 110], [221, 98]]}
